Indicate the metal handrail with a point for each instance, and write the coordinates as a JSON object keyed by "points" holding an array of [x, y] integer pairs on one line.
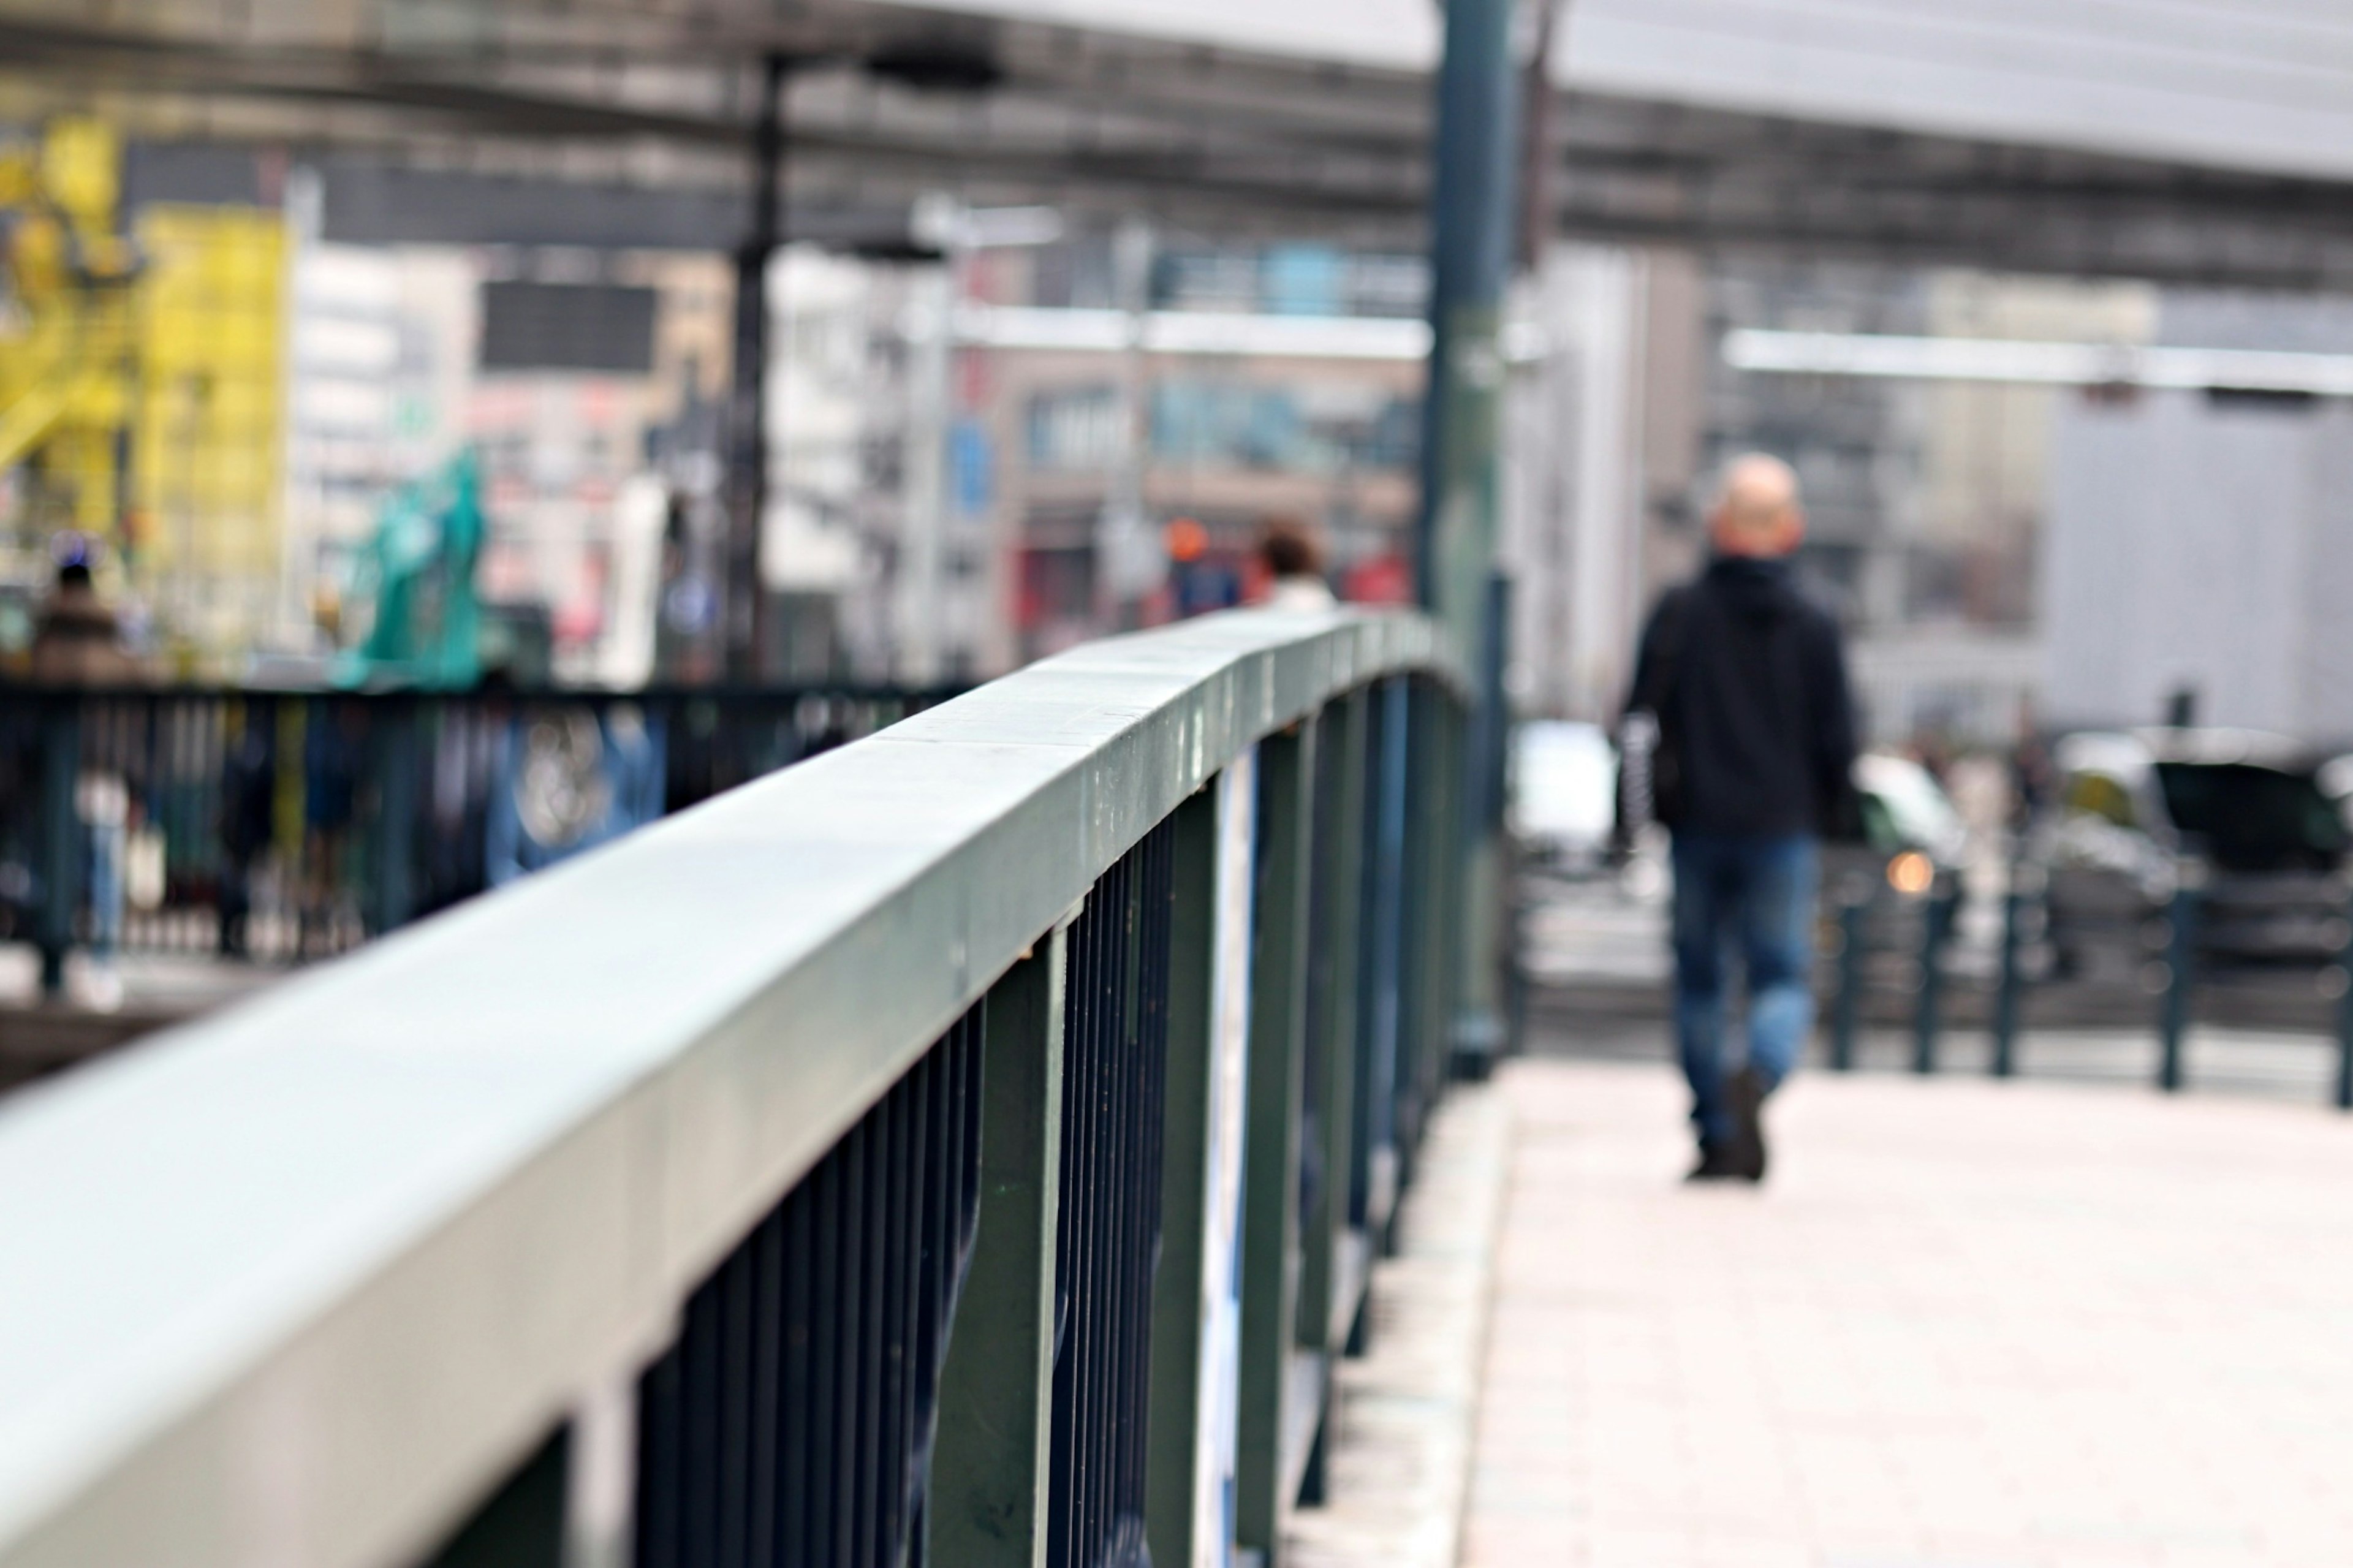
{"points": [[297, 1282]]}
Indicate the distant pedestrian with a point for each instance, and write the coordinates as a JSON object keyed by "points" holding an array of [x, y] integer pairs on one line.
{"points": [[1294, 567], [77, 641], [76, 638], [1743, 684]]}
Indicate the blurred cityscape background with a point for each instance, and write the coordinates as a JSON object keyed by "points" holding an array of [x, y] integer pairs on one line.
{"points": [[438, 437], [857, 354], [1053, 312]]}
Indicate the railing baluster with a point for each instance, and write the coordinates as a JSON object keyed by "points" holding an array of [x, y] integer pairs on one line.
{"points": [[1192, 1287], [1270, 1166], [989, 1474], [1331, 1272]]}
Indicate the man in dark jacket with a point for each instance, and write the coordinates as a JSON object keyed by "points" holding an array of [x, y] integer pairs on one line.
{"points": [[1746, 683]]}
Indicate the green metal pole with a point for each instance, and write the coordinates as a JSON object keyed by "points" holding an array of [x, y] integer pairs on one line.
{"points": [[990, 1468], [1263, 1485], [1474, 186]]}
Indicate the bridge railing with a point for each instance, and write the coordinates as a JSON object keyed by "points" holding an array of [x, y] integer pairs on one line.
{"points": [[968, 1146]]}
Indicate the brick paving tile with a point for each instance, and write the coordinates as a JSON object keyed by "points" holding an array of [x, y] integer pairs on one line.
{"points": [[1966, 1325]]}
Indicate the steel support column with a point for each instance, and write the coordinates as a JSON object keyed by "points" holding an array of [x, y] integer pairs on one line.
{"points": [[1474, 184], [747, 405]]}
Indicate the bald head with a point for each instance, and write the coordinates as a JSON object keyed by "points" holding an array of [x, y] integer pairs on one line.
{"points": [[1757, 512]]}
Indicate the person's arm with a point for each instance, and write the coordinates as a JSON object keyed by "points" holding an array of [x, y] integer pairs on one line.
{"points": [[1642, 692], [1834, 739], [1638, 739]]}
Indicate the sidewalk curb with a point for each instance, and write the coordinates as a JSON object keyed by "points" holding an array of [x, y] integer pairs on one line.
{"points": [[1405, 1413]]}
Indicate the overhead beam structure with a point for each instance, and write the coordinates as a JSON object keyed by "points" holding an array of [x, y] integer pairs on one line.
{"points": [[1315, 122]]}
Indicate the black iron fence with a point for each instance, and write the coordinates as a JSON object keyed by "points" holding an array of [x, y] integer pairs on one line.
{"points": [[282, 826]]}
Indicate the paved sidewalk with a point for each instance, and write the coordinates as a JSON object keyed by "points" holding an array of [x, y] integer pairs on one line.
{"points": [[1967, 1325]]}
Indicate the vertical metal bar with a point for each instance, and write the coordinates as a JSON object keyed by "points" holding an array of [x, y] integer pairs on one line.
{"points": [[1331, 1281], [1852, 909], [896, 1322], [393, 743], [799, 1392], [1189, 1278], [1927, 1017], [769, 1330], [698, 1514], [731, 1417], [747, 408], [852, 1305], [660, 1399], [1386, 967], [2180, 978], [62, 837], [1270, 1166], [1416, 899], [989, 1471], [2010, 979], [834, 1219], [874, 1328]]}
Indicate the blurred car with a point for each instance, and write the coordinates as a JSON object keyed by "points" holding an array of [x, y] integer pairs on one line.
{"points": [[2243, 812], [1564, 793], [1906, 835]]}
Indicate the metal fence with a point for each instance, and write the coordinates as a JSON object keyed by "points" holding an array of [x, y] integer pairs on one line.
{"points": [[2049, 958], [282, 826], [968, 1147]]}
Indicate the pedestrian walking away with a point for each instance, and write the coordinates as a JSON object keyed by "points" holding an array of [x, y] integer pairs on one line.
{"points": [[1742, 729]]}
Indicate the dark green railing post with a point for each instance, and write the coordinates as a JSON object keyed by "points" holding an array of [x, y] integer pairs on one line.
{"points": [[2009, 981], [1334, 1264], [990, 1468], [1852, 908], [1271, 1164], [1382, 1005], [1927, 1018], [1181, 1309], [62, 837], [2180, 978]]}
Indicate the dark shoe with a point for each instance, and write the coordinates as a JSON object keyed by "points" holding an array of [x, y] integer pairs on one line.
{"points": [[1715, 1165], [1744, 1096]]}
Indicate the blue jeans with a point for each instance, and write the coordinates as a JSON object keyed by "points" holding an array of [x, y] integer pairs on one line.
{"points": [[1755, 894]]}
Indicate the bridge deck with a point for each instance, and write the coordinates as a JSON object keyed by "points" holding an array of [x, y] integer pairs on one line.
{"points": [[1966, 1325]]}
